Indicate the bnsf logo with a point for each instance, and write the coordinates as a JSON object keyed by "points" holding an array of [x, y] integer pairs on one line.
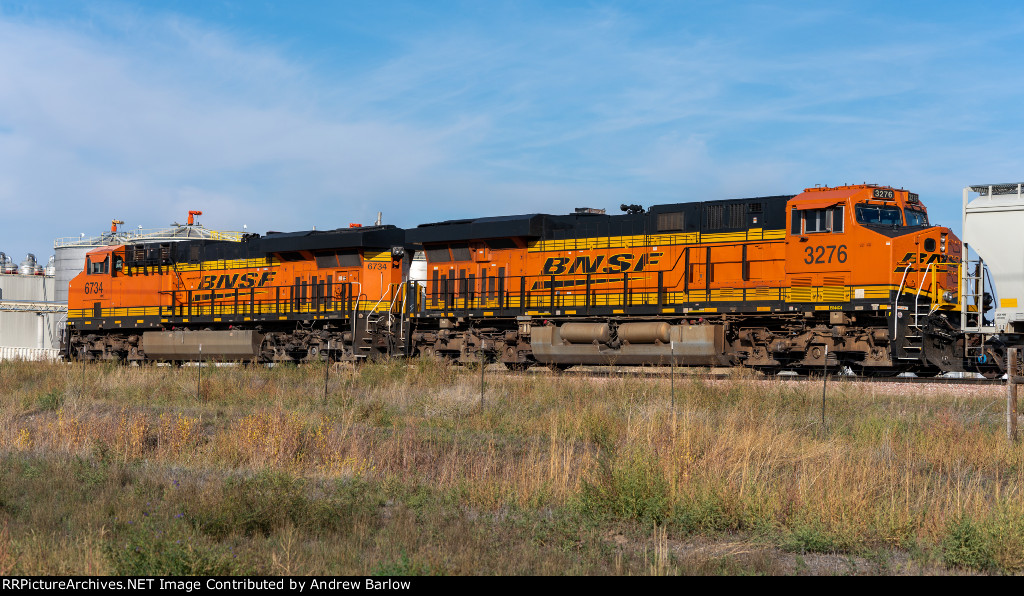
{"points": [[238, 280], [620, 263], [910, 259]]}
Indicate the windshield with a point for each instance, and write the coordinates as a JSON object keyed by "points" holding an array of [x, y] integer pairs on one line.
{"points": [[916, 218], [879, 215]]}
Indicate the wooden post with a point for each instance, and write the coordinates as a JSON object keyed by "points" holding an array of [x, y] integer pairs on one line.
{"points": [[672, 374], [824, 386], [1012, 366], [199, 379], [327, 368]]}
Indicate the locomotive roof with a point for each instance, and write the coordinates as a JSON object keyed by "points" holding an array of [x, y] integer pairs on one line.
{"points": [[771, 214], [254, 245], [372, 236]]}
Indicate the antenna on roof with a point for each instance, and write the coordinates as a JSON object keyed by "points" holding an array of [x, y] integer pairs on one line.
{"points": [[379, 214]]}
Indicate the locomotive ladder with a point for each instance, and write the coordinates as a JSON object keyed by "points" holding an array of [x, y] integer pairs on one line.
{"points": [[364, 346], [913, 346]]}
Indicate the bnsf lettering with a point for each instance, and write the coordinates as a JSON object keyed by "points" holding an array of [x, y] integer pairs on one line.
{"points": [[584, 265], [554, 266], [618, 263], [227, 282]]}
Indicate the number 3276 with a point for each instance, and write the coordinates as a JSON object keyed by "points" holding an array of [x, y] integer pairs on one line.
{"points": [[825, 254]]}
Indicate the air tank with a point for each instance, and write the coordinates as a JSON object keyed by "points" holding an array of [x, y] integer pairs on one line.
{"points": [[585, 333], [645, 333]]}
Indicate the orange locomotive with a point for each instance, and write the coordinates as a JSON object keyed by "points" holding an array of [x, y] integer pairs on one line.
{"points": [[853, 276], [281, 297]]}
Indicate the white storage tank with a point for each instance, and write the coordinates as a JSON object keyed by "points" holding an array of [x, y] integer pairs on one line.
{"points": [[69, 261], [31, 318]]}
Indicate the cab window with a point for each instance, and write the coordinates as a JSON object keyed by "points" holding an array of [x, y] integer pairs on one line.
{"points": [[817, 221], [879, 215], [97, 268], [916, 217]]}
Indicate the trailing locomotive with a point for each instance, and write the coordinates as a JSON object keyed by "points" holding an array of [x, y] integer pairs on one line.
{"points": [[849, 276], [281, 297]]}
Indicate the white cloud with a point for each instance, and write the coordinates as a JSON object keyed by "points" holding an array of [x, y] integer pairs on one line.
{"points": [[144, 117]]}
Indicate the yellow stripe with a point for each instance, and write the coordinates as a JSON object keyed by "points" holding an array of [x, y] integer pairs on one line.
{"points": [[222, 265], [648, 240]]}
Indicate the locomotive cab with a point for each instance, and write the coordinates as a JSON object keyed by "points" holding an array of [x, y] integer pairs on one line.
{"points": [[871, 252], [841, 236], [93, 289]]}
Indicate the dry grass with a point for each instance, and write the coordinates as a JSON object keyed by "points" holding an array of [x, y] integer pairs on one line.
{"points": [[400, 470]]}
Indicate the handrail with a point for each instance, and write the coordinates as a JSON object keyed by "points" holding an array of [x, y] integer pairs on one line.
{"points": [[896, 306], [383, 296], [391, 315], [355, 311], [917, 297]]}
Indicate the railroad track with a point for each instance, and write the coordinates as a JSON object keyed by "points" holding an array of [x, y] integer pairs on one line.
{"points": [[682, 374], [832, 378]]}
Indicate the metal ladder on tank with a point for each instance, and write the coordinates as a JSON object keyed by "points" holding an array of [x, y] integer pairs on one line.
{"points": [[972, 294]]}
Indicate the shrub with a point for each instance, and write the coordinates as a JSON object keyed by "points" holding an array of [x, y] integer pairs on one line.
{"points": [[632, 487], [160, 546], [50, 401], [965, 545], [268, 501]]}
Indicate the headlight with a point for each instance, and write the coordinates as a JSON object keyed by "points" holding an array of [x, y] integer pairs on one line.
{"points": [[942, 243], [949, 296]]}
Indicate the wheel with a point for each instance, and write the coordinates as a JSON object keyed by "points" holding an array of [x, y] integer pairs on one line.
{"points": [[990, 373], [517, 366]]}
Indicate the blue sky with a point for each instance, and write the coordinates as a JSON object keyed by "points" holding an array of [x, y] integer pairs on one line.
{"points": [[289, 115]]}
